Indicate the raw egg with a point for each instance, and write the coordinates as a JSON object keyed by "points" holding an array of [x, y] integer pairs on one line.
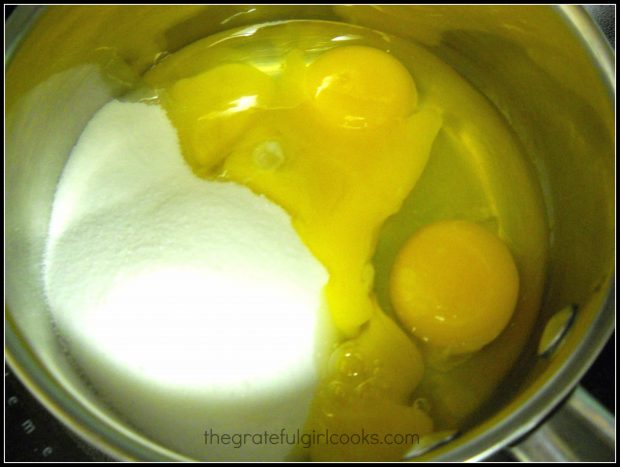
{"points": [[323, 139], [455, 285], [327, 159], [358, 86], [335, 124]]}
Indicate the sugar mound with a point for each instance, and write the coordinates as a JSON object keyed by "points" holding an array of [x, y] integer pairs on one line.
{"points": [[190, 304]]}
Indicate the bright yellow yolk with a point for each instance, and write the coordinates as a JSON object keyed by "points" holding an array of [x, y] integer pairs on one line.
{"points": [[454, 284], [339, 148], [210, 119], [357, 87], [338, 184]]}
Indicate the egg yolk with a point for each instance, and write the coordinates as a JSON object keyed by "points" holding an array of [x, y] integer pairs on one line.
{"points": [[454, 284], [210, 119], [357, 86], [338, 143], [331, 179]]}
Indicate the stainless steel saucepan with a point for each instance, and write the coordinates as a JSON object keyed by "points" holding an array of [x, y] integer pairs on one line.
{"points": [[547, 69]]}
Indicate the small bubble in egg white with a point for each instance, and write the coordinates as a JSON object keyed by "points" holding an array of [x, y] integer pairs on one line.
{"points": [[335, 396], [268, 155], [346, 363], [368, 390], [422, 404]]}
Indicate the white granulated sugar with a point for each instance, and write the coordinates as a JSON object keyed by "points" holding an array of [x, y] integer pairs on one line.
{"points": [[189, 304]]}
